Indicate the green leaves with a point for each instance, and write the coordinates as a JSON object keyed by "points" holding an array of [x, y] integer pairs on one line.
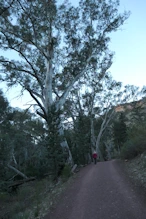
{"points": [[119, 131], [66, 37]]}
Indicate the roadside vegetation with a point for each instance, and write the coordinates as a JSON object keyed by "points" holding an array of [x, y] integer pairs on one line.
{"points": [[33, 199], [136, 169], [134, 152], [133, 142], [136, 142]]}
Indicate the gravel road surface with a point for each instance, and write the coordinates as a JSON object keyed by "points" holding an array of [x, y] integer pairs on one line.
{"points": [[101, 191]]}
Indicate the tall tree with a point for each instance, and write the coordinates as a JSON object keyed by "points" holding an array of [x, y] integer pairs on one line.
{"points": [[99, 100], [57, 45], [102, 96]]}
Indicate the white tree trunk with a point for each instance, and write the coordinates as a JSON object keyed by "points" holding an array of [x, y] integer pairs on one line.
{"points": [[108, 149], [17, 171], [48, 100], [14, 159], [102, 129], [93, 138], [68, 89]]}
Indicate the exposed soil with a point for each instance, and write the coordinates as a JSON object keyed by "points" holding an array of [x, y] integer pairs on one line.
{"points": [[101, 191]]}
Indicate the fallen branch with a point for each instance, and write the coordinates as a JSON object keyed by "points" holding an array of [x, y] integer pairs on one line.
{"points": [[20, 182], [17, 171]]}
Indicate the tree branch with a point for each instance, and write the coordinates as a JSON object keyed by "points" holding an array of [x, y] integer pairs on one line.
{"points": [[40, 105], [32, 23], [27, 61], [17, 69], [68, 89], [17, 171]]}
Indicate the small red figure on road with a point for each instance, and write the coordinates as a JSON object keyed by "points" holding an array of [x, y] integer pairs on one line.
{"points": [[94, 157]]}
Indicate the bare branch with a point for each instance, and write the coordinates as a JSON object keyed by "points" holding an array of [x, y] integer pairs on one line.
{"points": [[17, 69], [17, 171], [37, 101]]}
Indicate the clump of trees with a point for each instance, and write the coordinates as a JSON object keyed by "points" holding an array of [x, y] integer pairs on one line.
{"points": [[135, 143], [128, 129], [63, 64], [20, 136], [119, 132]]}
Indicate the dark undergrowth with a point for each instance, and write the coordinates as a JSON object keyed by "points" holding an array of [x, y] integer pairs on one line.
{"points": [[32, 200]]}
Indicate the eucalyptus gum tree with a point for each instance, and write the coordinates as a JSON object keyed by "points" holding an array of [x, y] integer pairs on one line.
{"points": [[57, 45], [101, 98]]}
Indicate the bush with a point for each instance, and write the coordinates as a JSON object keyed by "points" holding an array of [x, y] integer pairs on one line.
{"points": [[66, 172], [133, 147]]}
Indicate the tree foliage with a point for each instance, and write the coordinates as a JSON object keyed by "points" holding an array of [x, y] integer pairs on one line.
{"points": [[136, 143], [20, 137], [119, 131], [57, 44]]}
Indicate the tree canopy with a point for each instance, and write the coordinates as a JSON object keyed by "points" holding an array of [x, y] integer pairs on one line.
{"points": [[57, 45]]}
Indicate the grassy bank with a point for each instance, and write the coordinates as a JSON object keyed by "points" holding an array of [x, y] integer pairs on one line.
{"points": [[137, 169], [32, 200]]}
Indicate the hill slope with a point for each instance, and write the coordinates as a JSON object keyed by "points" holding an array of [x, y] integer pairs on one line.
{"points": [[136, 169]]}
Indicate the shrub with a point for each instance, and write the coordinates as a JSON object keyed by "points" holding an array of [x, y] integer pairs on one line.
{"points": [[66, 172], [133, 147]]}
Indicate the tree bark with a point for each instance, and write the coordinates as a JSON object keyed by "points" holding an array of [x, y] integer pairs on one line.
{"points": [[93, 138], [14, 159], [108, 149], [102, 129]]}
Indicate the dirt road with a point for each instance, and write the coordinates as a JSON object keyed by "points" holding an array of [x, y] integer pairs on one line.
{"points": [[101, 191]]}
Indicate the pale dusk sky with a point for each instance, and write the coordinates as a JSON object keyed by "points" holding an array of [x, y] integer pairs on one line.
{"points": [[129, 44]]}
